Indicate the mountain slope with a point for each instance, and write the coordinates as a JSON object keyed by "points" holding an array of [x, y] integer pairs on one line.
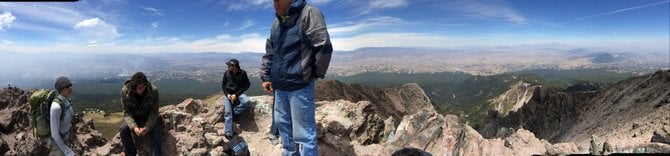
{"points": [[625, 113]]}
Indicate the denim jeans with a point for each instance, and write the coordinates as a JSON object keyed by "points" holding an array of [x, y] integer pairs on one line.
{"points": [[273, 126], [294, 116], [129, 145], [231, 111]]}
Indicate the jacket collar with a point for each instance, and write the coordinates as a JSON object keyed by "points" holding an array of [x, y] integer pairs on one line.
{"points": [[292, 13]]}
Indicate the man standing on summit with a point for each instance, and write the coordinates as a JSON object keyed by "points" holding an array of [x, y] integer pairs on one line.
{"points": [[297, 53]]}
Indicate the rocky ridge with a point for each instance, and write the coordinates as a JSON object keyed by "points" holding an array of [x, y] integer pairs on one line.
{"points": [[626, 114], [351, 120]]}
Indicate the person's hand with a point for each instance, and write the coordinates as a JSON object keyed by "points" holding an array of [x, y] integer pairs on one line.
{"points": [[230, 98], [68, 152], [137, 130], [267, 87], [233, 98], [144, 131]]}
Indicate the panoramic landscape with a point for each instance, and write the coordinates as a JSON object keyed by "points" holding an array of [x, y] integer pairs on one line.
{"points": [[484, 78]]}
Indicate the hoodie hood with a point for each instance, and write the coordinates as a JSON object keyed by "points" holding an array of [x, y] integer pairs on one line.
{"points": [[296, 7]]}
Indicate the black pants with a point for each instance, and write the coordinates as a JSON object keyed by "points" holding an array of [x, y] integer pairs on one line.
{"points": [[129, 145]]}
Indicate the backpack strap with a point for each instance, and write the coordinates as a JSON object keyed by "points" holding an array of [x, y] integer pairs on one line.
{"points": [[62, 113], [62, 110]]}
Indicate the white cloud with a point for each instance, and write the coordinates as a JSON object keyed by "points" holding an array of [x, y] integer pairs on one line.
{"points": [[241, 5], [6, 19], [491, 9], [154, 25], [318, 2], [226, 24], [44, 14], [260, 2], [393, 40], [219, 43], [245, 25], [621, 10], [5, 42], [382, 4], [348, 27], [370, 6], [152, 11], [96, 27]]}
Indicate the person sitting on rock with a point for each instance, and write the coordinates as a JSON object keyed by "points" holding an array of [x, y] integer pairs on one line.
{"points": [[60, 118], [139, 101], [235, 82]]}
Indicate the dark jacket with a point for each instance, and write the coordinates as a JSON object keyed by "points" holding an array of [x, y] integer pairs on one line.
{"points": [[140, 113], [235, 83], [298, 49]]}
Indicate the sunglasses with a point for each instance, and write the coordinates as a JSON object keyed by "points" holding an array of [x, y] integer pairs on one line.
{"points": [[68, 86]]}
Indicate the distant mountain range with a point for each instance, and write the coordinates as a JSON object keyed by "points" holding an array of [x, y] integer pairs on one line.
{"points": [[25, 69]]}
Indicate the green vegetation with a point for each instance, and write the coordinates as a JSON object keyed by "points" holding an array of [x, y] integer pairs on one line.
{"points": [[466, 95], [453, 93], [564, 78], [384, 80]]}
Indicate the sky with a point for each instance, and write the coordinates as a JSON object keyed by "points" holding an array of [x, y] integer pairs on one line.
{"points": [[235, 26]]}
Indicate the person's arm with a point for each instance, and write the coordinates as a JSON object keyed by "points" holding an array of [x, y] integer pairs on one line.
{"points": [[269, 54], [223, 83], [54, 118], [153, 113], [127, 116], [245, 85], [319, 40]]}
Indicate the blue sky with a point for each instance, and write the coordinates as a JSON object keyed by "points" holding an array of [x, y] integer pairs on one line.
{"points": [[108, 26]]}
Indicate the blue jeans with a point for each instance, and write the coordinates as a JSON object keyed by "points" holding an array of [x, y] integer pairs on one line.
{"points": [[273, 126], [231, 111], [294, 116]]}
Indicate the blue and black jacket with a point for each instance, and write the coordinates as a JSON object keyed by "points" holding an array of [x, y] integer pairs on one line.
{"points": [[298, 50]]}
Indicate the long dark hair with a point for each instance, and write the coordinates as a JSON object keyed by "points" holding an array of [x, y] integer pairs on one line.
{"points": [[138, 79]]}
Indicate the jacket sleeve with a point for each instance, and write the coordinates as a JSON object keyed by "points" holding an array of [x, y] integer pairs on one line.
{"points": [[54, 122], [245, 85], [223, 83], [319, 40], [153, 113], [127, 116], [269, 54]]}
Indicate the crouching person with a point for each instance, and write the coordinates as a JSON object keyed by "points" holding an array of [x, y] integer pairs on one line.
{"points": [[139, 100], [235, 82]]}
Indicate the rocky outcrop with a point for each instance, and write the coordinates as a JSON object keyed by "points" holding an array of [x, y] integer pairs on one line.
{"points": [[625, 114], [391, 102], [548, 114], [402, 120], [517, 96], [16, 129]]}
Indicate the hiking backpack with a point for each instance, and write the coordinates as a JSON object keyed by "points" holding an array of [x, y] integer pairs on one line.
{"points": [[40, 106], [236, 146]]}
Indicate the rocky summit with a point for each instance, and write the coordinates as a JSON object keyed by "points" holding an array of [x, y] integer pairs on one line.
{"points": [[354, 119]]}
